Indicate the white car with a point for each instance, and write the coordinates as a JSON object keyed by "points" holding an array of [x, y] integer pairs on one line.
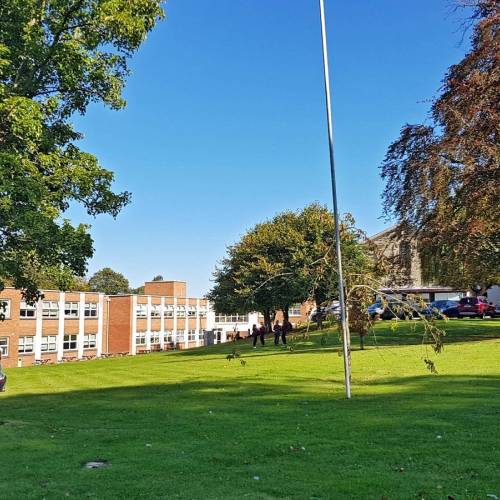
{"points": [[332, 309]]}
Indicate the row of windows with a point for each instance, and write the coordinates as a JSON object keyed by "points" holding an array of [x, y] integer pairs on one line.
{"points": [[231, 318], [50, 309], [140, 338], [49, 343], [141, 311]]}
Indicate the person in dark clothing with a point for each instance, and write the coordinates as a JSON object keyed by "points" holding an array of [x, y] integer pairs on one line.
{"points": [[287, 327], [277, 332], [256, 333]]}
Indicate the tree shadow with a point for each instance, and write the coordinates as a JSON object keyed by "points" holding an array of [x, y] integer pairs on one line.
{"points": [[209, 438]]}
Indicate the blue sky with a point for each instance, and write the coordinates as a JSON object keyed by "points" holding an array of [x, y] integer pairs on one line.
{"points": [[225, 122]]}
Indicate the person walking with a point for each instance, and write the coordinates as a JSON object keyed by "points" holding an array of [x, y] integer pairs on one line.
{"points": [[287, 327], [277, 332]]}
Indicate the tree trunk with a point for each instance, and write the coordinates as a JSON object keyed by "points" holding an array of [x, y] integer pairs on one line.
{"points": [[267, 320], [286, 316]]}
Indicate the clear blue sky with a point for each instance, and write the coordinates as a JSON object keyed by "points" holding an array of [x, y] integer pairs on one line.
{"points": [[225, 122]]}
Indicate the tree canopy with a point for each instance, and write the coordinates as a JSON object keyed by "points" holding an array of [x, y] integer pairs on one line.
{"points": [[57, 57], [443, 178], [109, 282], [286, 260]]}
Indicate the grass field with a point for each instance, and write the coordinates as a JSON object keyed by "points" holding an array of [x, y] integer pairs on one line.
{"points": [[191, 424]]}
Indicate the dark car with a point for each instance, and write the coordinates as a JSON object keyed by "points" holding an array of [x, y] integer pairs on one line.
{"points": [[475, 307], [448, 308], [400, 310]]}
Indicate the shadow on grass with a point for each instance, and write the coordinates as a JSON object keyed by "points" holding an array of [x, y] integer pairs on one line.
{"points": [[211, 438]]}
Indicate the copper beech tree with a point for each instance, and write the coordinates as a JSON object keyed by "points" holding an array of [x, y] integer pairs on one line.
{"points": [[443, 178]]}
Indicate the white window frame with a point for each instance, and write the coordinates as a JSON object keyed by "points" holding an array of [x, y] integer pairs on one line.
{"points": [[140, 338], [25, 309], [68, 340], [5, 313], [155, 337], [50, 309], [191, 335], [71, 310], [141, 311], [25, 346], [180, 336], [231, 318], [47, 342], [168, 336], [4, 347], [155, 310], [169, 311], [203, 312], [181, 311], [90, 341], [191, 311], [294, 310], [91, 310]]}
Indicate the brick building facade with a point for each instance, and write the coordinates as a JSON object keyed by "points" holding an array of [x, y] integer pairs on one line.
{"points": [[67, 326]]}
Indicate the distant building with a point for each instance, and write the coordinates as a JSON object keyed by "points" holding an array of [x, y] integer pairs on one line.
{"points": [[70, 326], [405, 273], [63, 326]]}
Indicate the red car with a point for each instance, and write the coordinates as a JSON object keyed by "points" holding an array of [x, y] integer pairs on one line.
{"points": [[475, 307]]}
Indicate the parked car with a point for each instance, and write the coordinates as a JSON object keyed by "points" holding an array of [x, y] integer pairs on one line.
{"points": [[496, 314], [323, 312], [448, 308], [375, 309], [401, 310], [475, 307]]}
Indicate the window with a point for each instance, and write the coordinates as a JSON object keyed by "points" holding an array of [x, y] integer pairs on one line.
{"points": [[90, 341], [155, 311], [71, 310], [231, 318], [181, 311], [192, 335], [140, 338], [4, 346], [168, 336], [155, 337], [192, 312], [203, 312], [141, 311], [25, 345], [180, 335], [4, 309], [70, 342], [201, 334], [50, 309], [294, 310], [49, 343], [27, 310], [169, 311], [91, 310]]}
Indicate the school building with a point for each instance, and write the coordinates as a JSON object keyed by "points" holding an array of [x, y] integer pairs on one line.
{"points": [[70, 326]]}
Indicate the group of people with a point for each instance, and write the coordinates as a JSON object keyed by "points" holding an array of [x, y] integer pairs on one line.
{"points": [[279, 330]]}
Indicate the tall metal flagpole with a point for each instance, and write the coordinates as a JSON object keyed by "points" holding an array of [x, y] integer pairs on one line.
{"points": [[343, 311]]}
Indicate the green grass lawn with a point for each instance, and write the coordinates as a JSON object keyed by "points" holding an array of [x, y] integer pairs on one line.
{"points": [[191, 424]]}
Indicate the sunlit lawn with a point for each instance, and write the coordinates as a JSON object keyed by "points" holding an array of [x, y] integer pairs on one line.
{"points": [[194, 425]]}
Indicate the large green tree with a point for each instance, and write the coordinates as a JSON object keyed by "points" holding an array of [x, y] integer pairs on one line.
{"points": [[57, 57], [109, 282], [443, 178], [288, 259]]}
